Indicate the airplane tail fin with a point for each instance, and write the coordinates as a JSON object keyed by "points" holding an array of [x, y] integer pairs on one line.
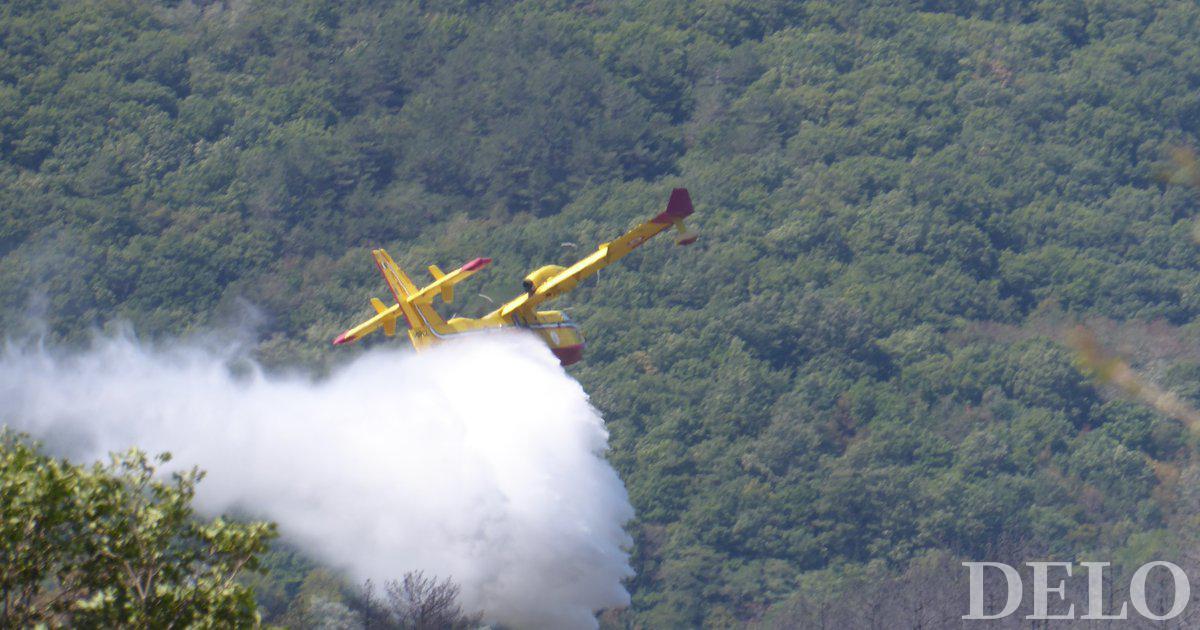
{"points": [[679, 207]]}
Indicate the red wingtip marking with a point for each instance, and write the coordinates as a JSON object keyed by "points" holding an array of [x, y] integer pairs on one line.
{"points": [[689, 240], [341, 339], [678, 207], [478, 263]]}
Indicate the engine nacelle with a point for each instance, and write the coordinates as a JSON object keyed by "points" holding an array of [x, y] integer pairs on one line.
{"points": [[539, 277]]}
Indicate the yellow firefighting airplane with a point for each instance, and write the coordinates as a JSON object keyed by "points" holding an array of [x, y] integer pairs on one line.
{"points": [[426, 327]]}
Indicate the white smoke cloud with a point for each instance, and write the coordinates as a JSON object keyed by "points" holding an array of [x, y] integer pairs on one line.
{"points": [[480, 460]]}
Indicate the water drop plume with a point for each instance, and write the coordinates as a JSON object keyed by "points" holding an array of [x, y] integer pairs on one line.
{"points": [[480, 460]]}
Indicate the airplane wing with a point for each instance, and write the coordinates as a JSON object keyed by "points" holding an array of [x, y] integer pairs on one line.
{"points": [[678, 208], [412, 304], [443, 283], [385, 318]]}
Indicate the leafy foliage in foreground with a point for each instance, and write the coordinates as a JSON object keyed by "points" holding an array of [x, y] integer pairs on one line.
{"points": [[111, 546], [902, 204]]}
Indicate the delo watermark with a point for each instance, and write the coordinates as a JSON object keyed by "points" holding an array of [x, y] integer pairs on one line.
{"points": [[1095, 605]]}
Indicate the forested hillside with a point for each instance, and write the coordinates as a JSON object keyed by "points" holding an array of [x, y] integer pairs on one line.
{"points": [[860, 366]]}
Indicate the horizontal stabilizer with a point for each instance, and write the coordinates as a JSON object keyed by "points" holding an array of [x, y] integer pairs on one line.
{"points": [[686, 236]]}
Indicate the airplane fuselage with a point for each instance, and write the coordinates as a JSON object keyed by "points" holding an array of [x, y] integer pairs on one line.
{"points": [[554, 327]]}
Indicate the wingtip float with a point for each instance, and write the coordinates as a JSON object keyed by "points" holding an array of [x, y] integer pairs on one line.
{"points": [[426, 327]]}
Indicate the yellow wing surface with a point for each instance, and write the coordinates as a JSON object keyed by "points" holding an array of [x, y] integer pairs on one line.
{"points": [[414, 304], [541, 289], [385, 319]]}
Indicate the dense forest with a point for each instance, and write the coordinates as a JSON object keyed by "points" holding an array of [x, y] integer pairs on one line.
{"points": [[865, 367]]}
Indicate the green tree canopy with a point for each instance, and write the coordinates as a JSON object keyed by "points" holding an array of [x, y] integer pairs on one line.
{"points": [[116, 546]]}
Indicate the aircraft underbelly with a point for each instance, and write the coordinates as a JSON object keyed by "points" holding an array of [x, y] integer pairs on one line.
{"points": [[564, 338]]}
